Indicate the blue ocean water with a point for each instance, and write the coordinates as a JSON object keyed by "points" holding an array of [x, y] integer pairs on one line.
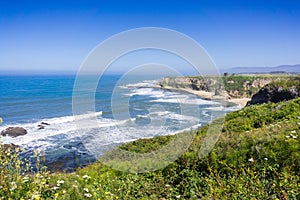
{"points": [[125, 111]]}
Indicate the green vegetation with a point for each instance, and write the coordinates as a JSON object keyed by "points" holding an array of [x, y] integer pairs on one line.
{"points": [[257, 156], [248, 161], [245, 86], [286, 83], [236, 86]]}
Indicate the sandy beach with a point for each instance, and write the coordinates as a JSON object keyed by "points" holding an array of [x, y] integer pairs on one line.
{"points": [[208, 95], [240, 101]]}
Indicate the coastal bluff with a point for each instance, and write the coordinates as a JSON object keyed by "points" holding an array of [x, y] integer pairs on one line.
{"points": [[229, 86], [275, 92]]}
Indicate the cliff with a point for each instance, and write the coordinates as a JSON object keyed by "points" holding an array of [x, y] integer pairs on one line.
{"points": [[234, 86], [277, 91]]}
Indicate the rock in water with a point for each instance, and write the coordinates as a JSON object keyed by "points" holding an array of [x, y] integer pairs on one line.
{"points": [[14, 131]]}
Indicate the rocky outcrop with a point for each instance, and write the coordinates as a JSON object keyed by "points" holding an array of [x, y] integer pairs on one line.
{"points": [[193, 83], [234, 86], [42, 125], [229, 87], [14, 131], [274, 94]]}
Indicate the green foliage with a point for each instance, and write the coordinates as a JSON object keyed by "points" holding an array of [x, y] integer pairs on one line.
{"points": [[286, 83], [256, 157], [257, 116], [146, 145]]}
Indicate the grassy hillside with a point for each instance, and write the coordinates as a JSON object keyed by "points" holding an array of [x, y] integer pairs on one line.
{"points": [[256, 157]]}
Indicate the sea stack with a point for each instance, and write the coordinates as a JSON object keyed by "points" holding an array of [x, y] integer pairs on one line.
{"points": [[14, 131]]}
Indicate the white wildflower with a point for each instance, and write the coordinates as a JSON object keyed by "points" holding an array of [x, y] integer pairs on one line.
{"points": [[251, 160], [86, 177], [25, 179], [177, 197], [60, 181], [88, 195], [13, 186], [86, 190], [293, 131], [293, 136], [265, 158], [36, 196], [287, 136]]}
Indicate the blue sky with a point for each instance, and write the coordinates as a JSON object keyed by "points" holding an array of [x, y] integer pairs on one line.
{"points": [[58, 35]]}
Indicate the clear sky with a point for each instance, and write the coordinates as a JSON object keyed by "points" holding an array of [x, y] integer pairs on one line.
{"points": [[58, 35]]}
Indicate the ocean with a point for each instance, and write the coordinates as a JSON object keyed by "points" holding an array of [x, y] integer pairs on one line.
{"points": [[125, 111]]}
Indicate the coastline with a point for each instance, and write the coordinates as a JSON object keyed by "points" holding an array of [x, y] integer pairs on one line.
{"points": [[240, 101], [207, 95]]}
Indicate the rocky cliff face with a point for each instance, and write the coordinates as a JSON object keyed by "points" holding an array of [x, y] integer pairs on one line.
{"points": [[262, 89], [274, 94], [194, 83], [231, 86]]}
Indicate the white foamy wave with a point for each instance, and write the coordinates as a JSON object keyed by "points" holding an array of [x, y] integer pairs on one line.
{"points": [[57, 126], [147, 92], [67, 137], [170, 115], [159, 113], [66, 126], [147, 83], [163, 96], [186, 101], [159, 95], [66, 119], [182, 117], [140, 91]]}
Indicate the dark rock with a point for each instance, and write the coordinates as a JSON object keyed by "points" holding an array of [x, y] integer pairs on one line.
{"points": [[41, 127], [14, 131], [273, 94], [45, 123]]}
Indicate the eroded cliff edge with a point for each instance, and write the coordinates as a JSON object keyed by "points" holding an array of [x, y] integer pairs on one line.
{"points": [[246, 88]]}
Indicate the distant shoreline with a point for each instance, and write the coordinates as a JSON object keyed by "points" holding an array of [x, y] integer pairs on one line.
{"points": [[207, 95]]}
